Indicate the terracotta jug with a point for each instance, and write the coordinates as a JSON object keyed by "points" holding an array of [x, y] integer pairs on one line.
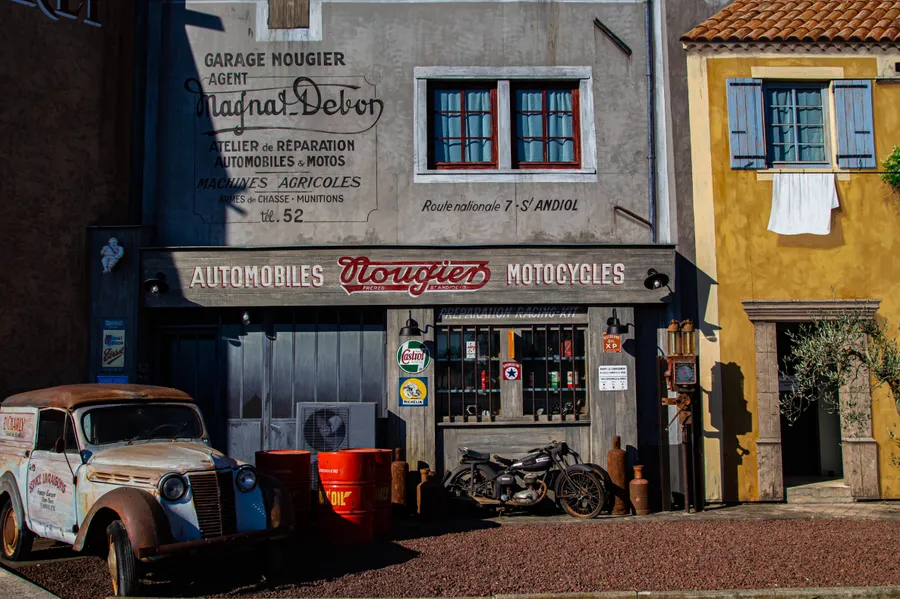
{"points": [[640, 492]]}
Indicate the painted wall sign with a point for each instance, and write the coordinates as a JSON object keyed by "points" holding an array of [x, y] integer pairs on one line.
{"points": [[512, 371], [65, 10], [375, 276], [613, 378], [113, 345], [612, 344], [413, 391], [413, 357]]}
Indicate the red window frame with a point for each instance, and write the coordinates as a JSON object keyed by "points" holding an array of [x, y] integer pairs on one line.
{"points": [[576, 125], [462, 87]]}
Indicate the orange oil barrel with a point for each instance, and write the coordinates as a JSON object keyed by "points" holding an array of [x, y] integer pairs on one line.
{"points": [[292, 468], [383, 459], [347, 497]]}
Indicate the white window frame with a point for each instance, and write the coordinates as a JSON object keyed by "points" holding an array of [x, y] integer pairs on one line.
{"points": [[504, 173]]}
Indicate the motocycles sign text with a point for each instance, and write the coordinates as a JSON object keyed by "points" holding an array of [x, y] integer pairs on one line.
{"points": [[502, 275]]}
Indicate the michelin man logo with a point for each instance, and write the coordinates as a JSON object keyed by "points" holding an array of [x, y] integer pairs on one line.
{"points": [[411, 391], [111, 253]]}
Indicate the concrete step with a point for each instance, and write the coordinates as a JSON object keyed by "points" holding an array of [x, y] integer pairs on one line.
{"points": [[833, 491]]}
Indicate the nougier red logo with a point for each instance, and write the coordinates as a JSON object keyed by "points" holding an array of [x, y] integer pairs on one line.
{"points": [[361, 275]]}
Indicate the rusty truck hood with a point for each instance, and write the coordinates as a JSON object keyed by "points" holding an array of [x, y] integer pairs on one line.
{"points": [[162, 457]]}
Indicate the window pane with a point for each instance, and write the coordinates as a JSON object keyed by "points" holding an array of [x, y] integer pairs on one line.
{"points": [[445, 99], [783, 153], [812, 153], [531, 151], [529, 125], [479, 99], [561, 150], [559, 125], [559, 99], [809, 116], [447, 150], [809, 97], [810, 134], [781, 97], [780, 135], [478, 125], [527, 99], [448, 125], [781, 116], [478, 150]]}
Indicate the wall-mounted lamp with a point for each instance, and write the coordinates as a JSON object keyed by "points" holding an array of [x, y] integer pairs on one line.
{"points": [[614, 327], [157, 285], [656, 280], [245, 318], [412, 328]]}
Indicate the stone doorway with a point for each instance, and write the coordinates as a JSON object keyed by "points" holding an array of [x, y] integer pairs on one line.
{"points": [[858, 456]]}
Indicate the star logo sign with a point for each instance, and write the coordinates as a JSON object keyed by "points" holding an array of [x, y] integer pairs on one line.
{"points": [[511, 371]]}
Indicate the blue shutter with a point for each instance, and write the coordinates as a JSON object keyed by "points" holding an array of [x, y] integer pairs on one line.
{"points": [[855, 129], [745, 124]]}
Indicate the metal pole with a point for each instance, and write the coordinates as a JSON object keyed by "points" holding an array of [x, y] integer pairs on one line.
{"points": [[684, 458]]}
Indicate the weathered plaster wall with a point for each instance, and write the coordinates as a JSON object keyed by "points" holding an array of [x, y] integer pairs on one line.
{"points": [[66, 123], [857, 260], [381, 45]]}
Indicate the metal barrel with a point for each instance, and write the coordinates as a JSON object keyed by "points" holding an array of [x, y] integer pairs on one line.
{"points": [[291, 467], [383, 459], [347, 497]]}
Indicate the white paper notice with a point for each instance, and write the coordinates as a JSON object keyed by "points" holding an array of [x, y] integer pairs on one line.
{"points": [[470, 350], [613, 378]]}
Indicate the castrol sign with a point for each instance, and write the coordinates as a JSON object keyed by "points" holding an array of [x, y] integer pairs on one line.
{"points": [[413, 357]]}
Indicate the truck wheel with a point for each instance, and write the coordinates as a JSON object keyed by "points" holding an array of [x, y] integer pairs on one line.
{"points": [[121, 561], [17, 539]]}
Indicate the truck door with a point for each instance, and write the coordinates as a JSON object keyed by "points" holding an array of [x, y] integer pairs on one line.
{"points": [[50, 485]]}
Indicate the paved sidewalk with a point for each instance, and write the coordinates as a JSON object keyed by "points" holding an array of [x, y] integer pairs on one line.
{"points": [[11, 586]]}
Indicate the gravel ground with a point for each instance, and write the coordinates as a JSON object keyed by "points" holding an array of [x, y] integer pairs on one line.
{"points": [[552, 558]]}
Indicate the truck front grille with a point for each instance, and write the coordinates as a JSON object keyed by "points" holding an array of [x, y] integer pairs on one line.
{"points": [[214, 502]]}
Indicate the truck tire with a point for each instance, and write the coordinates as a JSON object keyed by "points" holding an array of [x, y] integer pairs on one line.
{"points": [[17, 539], [121, 561]]}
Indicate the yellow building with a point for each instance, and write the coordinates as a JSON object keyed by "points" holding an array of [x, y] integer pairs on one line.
{"points": [[791, 101]]}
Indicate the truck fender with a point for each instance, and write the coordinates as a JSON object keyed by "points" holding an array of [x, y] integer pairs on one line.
{"points": [[140, 512], [9, 486]]}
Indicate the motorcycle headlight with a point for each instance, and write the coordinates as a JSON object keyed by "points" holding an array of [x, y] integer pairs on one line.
{"points": [[172, 487], [246, 479]]}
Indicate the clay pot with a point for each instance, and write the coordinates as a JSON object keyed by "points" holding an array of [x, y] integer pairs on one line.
{"points": [[615, 466], [640, 492]]}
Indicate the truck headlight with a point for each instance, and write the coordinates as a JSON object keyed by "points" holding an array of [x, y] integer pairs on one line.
{"points": [[172, 487], [246, 478]]}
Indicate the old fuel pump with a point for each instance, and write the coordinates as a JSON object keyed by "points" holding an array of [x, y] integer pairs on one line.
{"points": [[681, 378]]}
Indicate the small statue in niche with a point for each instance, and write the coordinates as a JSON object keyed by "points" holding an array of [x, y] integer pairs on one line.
{"points": [[111, 253]]}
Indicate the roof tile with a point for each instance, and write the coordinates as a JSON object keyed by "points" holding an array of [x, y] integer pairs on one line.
{"points": [[806, 20]]}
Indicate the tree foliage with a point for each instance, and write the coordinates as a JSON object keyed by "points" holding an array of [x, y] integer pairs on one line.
{"points": [[891, 174], [845, 351]]}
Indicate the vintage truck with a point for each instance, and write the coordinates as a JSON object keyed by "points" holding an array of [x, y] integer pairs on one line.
{"points": [[127, 472]]}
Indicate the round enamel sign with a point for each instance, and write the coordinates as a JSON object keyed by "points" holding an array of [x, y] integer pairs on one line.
{"points": [[413, 357]]}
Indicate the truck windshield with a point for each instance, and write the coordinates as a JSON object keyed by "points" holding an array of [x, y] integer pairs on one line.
{"points": [[130, 423]]}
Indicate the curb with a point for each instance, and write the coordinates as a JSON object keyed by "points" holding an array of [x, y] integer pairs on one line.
{"points": [[13, 585], [805, 593]]}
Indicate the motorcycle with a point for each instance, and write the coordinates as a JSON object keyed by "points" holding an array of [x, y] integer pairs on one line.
{"points": [[582, 490]]}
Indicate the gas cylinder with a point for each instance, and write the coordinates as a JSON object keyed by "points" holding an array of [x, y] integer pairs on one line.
{"points": [[615, 466], [399, 474], [639, 489]]}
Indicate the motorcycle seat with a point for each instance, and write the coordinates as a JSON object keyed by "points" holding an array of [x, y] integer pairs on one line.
{"points": [[475, 455], [504, 461]]}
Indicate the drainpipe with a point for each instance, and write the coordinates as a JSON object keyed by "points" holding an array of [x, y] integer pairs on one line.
{"points": [[651, 119], [138, 103]]}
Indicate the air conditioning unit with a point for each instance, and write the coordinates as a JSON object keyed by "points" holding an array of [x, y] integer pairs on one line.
{"points": [[333, 426]]}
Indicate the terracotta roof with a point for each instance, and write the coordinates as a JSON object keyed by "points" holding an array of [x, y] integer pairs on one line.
{"points": [[72, 396], [801, 21]]}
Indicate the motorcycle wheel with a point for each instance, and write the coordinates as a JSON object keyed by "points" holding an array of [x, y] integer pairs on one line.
{"points": [[460, 482], [582, 495]]}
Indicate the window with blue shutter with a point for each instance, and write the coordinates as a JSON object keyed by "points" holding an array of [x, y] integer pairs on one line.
{"points": [[855, 128], [795, 124], [745, 124]]}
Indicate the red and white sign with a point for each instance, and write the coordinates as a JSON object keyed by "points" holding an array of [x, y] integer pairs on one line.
{"points": [[512, 371], [17, 427], [362, 275], [612, 344], [564, 274]]}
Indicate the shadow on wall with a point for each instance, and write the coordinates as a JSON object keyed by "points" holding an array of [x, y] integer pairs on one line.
{"points": [[730, 379]]}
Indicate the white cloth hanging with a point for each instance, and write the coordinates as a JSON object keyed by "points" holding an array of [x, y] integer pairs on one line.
{"points": [[802, 203]]}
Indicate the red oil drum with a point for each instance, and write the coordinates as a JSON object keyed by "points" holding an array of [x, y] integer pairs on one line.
{"points": [[347, 497], [383, 459], [292, 468]]}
